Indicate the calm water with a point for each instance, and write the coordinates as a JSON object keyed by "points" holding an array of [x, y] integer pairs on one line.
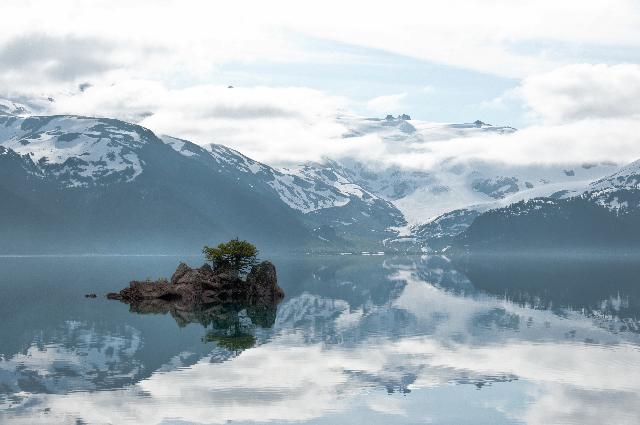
{"points": [[357, 340]]}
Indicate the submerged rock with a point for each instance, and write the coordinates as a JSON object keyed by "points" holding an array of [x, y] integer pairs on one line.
{"points": [[206, 285]]}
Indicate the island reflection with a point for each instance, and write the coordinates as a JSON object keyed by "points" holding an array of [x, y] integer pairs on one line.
{"points": [[229, 325]]}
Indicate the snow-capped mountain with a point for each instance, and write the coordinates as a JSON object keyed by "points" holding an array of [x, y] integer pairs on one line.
{"points": [[80, 151], [67, 176], [485, 194], [425, 193], [325, 197], [438, 234], [628, 177], [618, 192], [306, 188], [606, 215], [443, 200], [64, 166], [423, 196], [402, 128], [9, 107], [77, 151], [77, 184]]}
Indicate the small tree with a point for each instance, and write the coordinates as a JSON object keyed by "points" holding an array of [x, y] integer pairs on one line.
{"points": [[236, 254]]}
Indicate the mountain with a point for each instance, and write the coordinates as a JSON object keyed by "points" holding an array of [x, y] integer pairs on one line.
{"points": [[330, 205], [13, 108], [423, 196], [81, 184], [99, 185], [423, 193], [73, 184], [606, 216], [440, 201], [438, 234], [626, 179]]}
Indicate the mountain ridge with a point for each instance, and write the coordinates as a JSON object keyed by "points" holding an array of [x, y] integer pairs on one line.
{"points": [[65, 171], [107, 185], [605, 217]]}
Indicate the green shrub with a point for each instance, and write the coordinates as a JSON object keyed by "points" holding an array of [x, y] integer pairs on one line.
{"points": [[236, 254]]}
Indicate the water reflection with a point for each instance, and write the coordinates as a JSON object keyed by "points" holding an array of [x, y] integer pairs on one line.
{"points": [[229, 325], [357, 340]]}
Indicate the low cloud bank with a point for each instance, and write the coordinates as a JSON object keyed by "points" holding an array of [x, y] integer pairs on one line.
{"points": [[584, 113]]}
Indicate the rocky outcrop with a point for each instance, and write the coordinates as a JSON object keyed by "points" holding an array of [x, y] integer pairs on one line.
{"points": [[262, 283], [204, 285], [231, 309]]}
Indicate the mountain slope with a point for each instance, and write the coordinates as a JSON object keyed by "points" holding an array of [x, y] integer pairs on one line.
{"points": [[110, 186], [340, 213], [605, 217], [424, 188], [103, 185]]}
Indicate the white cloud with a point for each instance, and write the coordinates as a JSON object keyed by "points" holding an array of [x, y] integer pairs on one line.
{"points": [[388, 104], [294, 124], [584, 91], [275, 125], [180, 41], [579, 142], [165, 55]]}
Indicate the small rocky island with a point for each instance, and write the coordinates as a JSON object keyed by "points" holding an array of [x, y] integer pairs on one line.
{"points": [[229, 307], [207, 285], [220, 283]]}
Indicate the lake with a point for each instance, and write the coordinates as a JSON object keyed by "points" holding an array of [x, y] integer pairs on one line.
{"points": [[357, 340]]}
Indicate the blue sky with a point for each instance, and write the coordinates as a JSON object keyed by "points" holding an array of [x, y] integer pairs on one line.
{"points": [[434, 92]]}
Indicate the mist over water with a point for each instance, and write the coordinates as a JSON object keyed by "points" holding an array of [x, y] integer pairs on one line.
{"points": [[478, 340]]}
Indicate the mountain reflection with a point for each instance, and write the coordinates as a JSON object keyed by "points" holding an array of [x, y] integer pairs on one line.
{"points": [[599, 285], [540, 340]]}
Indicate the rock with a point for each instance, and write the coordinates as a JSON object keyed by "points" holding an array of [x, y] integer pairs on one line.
{"points": [[92, 295], [149, 290], [190, 288], [263, 283], [180, 271], [191, 276]]}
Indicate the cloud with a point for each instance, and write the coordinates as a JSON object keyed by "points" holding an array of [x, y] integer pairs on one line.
{"points": [[163, 72], [584, 91], [273, 124], [285, 125], [37, 64], [580, 113], [61, 58], [575, 92], [562, 404], [388, 104], [161, 41], [514, 38], [502, 37], [615, 140]]}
